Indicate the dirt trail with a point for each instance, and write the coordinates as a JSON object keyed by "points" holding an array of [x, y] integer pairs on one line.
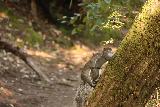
{"points": [[62, 67], [20, 86]]}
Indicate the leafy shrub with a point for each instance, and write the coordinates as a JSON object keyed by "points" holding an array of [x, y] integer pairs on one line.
{"points": [[33, 38], [104, 19]]}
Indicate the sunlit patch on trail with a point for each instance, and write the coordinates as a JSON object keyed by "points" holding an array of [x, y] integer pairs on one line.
{"points": [[3, 16], [78, 54], [40, 54], [5, 92]]}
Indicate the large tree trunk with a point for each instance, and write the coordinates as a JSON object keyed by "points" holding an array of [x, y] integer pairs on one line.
{"points": [[134, 73]]}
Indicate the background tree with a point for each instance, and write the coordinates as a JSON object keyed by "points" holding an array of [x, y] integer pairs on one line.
{"points": [[34, 9], [134, 73]]}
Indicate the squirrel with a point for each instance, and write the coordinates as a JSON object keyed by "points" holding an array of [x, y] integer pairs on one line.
{"points": [[91, 73], [94, 65]]}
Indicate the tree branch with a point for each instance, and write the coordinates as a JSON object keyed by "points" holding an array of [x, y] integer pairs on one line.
{"points": [[22, 55]]}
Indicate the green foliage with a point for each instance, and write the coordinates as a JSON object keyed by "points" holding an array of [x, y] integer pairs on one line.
{"points": [[64, 41], [104, 19], [33, 38], [151, 103], [5, 10]]}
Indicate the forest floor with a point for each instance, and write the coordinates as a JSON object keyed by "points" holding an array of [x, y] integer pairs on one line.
{"points": [[53, 52], [22, 88], [19, 85]]}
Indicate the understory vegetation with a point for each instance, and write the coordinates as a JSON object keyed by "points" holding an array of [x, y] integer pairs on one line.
{"points": [[65, 31]]}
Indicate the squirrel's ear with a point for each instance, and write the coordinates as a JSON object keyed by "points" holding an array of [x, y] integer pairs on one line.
{"points": [[107, 49]]}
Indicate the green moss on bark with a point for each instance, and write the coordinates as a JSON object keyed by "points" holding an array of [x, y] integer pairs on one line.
{"points": [[133, 74]]}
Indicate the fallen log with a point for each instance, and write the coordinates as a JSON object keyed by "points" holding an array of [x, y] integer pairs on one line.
{"points": [[8, 47]]}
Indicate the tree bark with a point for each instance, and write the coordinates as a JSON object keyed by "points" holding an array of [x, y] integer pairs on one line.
{"points": [[134, 72], [34, 10]]}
